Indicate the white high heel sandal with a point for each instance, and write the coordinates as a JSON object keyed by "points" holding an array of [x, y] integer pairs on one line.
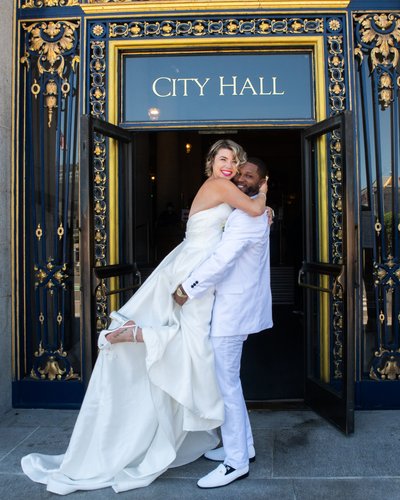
{"points": [[104, 343]]}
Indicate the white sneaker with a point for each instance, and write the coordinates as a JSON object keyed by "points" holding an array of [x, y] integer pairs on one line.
{"points": [[218, 454], [222, 475]]}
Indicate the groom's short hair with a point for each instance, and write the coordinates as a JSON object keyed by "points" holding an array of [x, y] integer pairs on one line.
{"points": [[261, 166]]}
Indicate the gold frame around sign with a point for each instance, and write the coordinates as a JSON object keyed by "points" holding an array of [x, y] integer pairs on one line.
{"points": [[314, 43], [287, 122]]}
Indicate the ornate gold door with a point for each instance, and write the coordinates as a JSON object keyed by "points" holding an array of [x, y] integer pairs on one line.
{"points": [[328, 272], [105, 282]]}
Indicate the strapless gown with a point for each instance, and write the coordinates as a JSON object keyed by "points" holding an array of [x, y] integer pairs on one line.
{"points": [[153, 405]]}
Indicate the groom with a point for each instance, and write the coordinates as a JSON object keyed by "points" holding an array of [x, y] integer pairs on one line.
{"points": [[239, 271]]}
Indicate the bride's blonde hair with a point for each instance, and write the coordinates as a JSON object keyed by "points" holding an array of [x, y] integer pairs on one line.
{"points": [[239, 154]]}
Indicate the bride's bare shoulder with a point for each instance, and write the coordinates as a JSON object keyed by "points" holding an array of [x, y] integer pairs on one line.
{"points": [[218, 185]]}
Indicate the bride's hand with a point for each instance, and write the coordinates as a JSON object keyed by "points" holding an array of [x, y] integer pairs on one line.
{"points": [[270, 215], [264, 187]]}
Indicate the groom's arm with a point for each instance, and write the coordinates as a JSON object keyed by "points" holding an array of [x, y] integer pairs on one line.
{"points": [[240, 234]]}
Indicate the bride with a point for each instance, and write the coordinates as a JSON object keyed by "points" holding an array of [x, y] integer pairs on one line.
{"points": [[153, 401]]}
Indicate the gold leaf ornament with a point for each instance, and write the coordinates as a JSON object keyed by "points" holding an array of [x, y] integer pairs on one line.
{"points": [[51, 40]]}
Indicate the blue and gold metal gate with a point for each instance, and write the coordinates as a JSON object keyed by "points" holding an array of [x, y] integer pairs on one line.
{"points": [[377, 52], [48, 342]]}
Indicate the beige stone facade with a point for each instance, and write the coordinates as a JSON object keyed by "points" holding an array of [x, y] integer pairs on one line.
{"points": [[6, 55]]}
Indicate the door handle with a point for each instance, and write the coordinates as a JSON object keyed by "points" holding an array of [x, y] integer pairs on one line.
{"points": [[115, 271], [312, 287], [138, 284], [338, 283]]}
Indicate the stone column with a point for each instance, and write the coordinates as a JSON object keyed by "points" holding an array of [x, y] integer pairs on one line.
{"points": [[7, 20]]}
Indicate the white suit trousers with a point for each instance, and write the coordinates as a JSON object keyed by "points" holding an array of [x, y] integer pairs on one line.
{"points": [[237, 437]]}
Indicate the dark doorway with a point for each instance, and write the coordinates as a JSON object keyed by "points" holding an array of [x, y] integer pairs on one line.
{"points": [[170, 170], [273, 361]]}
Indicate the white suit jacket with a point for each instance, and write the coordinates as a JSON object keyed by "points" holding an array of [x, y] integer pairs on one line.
{"points": [[240, 272]]}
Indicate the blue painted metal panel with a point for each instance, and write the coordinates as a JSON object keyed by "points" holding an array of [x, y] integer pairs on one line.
{"points": [[218, 87]]}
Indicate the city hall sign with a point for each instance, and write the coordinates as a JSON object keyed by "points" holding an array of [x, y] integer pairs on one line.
{"points": [[227, 88], [173, 87]]}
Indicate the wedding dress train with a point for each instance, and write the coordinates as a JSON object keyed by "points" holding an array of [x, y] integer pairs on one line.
{"points": [[153, 405]]}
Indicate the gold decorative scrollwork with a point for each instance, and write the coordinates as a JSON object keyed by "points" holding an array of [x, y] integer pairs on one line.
{"points": [[98, 30], [338, 333], [384, 50], [52, 370], [52, 365], [50, 99], [97, 101], [387, 274], [101, 301], [98, 67], [336, 66], [40, 350], [337, 102], [334, 24], [39, 232], [50, 275], [378, 36], [335, 158], [75, 61], [108, 1], [385, 89], [35, 88], [60, 231], [380, 275], [65, 88], [390, 369], [30, 4], [51, 40], [385, 365], [101, 290], [201, 27]]}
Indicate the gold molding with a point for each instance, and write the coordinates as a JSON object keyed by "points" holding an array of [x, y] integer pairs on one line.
{"points": [[32, 4], [201, 5], [323, 210]]}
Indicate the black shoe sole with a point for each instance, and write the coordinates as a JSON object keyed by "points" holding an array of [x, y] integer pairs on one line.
{"points": [[251, 460]]}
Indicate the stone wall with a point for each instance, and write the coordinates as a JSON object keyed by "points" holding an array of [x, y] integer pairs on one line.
{"points": [[6, 55]]}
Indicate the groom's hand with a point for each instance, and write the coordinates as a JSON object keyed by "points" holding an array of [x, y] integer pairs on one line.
{"points": [[180, 295]]}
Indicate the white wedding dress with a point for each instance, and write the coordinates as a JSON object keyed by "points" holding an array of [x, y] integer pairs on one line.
{"points": [[153, 405]]}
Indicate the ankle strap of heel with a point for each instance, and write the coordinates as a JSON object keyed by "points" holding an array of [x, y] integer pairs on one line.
{"points": [[134, 332]]}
